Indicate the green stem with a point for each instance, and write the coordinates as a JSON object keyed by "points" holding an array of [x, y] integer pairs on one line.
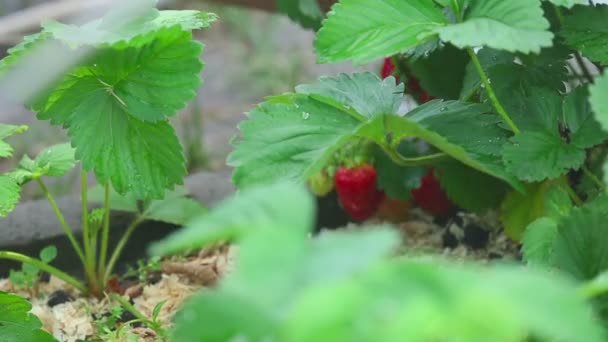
{"points": [[491, 94], [583, 66], [120, 246], [456, 7], [105, 235], [62, 222], [595, 287], [45, 267], [593, 177], [124, 303], [568, 189], [418, 161], [86, 231]]}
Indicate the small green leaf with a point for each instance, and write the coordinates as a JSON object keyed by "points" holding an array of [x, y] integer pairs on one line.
{"points": [[283, 205], [536, 156], [364, 31], [580, 245], [538, 240], [544, 150], [515, 26], [599, 99], [54, 161], [365, 92], [6, 131], [518, 209], [584, 28], [48, 254], [9, 195], [17, 324]]}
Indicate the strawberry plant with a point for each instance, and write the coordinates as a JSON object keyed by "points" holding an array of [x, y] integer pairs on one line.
{"points": [[512, 110], [138, 67], [341, 286]]}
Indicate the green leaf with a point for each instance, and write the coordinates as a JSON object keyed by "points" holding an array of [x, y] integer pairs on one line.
{"points": [[54, 161], [291, 137], [515, 26], [535, 156], [364, 31], [557, 203], [438, 78], [547, 69], [260, 290], [599, 100], [17, 324], [6, 131], [48, 254], [584, 29], [468, 132], [125, 22], [542, 151], [500, 304], [137, 157], [518, 209], [580, 245], [538, 240], [282, 205], [568, 3], [365, 92], [102, 106], [487, 58], [9, 195], [305, 12], [175, 207], [469, 188]]}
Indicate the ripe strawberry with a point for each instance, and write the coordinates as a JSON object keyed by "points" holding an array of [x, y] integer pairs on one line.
{"points": [[357, 192], [414, 88], [388, 68], [430, 197], [393, 210]]}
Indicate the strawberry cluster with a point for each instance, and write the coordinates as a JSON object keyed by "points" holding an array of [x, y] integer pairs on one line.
{"points": [[356, 186]]}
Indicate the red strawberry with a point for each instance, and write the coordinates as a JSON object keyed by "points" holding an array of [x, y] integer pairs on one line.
{"points": [[414, 88], [388, 68], [357, 192], [430, 197]]}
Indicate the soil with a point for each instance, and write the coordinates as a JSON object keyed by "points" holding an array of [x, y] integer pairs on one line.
{"points": [[70, 317]]}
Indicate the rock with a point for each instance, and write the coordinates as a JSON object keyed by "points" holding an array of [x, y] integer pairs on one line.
{"points": [[475, 236], [58, 297]]}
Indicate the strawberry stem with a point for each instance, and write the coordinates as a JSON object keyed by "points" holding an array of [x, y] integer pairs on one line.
{"points": [[417, 161]]}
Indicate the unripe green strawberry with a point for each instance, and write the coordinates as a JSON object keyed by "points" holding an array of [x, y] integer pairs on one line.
{"points": [[321, 184]]}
